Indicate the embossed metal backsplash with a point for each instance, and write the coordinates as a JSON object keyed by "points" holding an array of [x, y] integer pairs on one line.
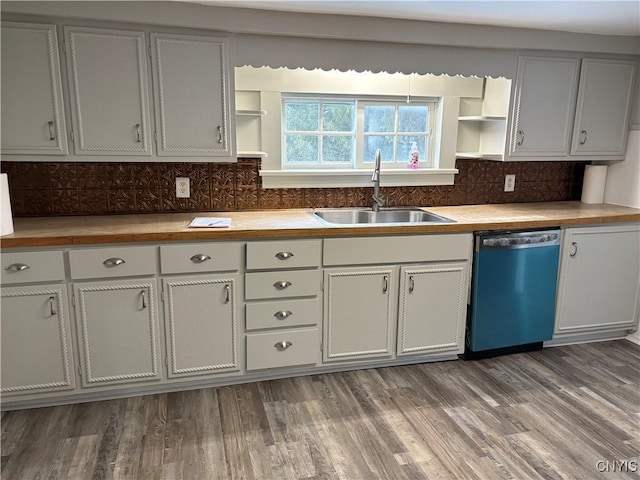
{"points": [[45, 189]]}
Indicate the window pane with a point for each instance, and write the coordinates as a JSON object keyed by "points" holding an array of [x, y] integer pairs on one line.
{"points": [[379, 118], [337, 117], [338, 148], [404, 147], [301, 149], [383, 142], [412, 118], [301, 116]]}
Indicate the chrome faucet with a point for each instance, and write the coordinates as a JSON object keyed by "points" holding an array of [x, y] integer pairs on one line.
{"points": [[378, 201]]}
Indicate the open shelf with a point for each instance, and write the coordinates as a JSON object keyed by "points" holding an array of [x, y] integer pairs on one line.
{"points": [[252, 154], [476, 155], [251, 113], [480, 118]]}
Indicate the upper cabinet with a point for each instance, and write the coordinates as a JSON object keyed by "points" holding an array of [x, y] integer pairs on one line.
{"points": [[32, 112], [192, 85], [564, 110], [109, 91], [604, 106]]}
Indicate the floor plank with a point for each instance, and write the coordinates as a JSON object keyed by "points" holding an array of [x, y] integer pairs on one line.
{"points": [[548, 414]]}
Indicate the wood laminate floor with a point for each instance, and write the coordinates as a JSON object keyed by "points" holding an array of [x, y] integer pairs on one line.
{"points": [[565, 412]]}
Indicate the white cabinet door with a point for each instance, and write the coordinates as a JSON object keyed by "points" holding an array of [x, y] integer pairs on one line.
{"points": [[432, 308], [32, 112], [542, 117], [118, 331], [36, 340], [201, 324], [603, 108], [192, 92], [359, 316], [599, 279], [109, 91]]}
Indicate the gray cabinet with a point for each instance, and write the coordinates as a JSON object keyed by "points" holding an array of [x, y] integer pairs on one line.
{"points": [[109, 91], [193, 88], [36, 340], [542, 116], [32, 111], [117, 326], [432, 310], [359, 313], [201, 324], [599, 279], [603, 108]]}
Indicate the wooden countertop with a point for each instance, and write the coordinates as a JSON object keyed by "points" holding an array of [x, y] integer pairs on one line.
{"points": [[50, 231]]}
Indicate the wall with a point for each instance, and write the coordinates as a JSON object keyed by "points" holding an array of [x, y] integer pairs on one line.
{"points": [[623, 178], [39, 188]]}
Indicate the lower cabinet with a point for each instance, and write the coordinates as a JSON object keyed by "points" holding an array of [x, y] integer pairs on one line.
{"points": [[432, 310], [599, 279], [36, 340], [117, 324], [201, 324], [359, 319]]}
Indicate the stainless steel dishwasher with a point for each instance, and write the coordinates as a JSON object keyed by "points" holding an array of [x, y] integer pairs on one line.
{"points": [[513, 292]]}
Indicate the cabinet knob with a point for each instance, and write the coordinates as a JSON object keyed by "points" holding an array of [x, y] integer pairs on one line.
{"points": [[17, 267], [200, 257], [282, 346], [583, 137], [282, 314], [113, 262], [282, 285], [284, 255]]}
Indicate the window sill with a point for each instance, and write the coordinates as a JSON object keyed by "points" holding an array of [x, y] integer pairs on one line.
{"points": [[355, 178]]}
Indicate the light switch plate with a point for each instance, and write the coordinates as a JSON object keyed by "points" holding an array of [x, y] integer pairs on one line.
{"points": [[509, 183], [183, 187]]}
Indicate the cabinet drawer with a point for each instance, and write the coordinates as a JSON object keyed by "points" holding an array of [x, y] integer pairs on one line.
{"points": [[283, 254], [283, 313], [29, 267], [200, 257], [282, 348], [300, 283], [112, 262]]}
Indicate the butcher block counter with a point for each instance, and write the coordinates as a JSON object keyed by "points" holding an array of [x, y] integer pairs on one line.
{"points": [[51, 231]]}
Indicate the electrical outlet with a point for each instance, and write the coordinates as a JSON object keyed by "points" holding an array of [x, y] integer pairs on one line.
{"points": [[183, 188], [509, 183]]}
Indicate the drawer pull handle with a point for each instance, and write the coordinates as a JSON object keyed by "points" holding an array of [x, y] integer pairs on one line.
{"points": [[520, 140], [385, 284], [113, 262], [52, 306], [144, 299], [282, 314], [199, 258], [411, 284], [138, 136], [583, 137], [227, 293], [284, 255], [219, 133], [282, 346], [282, 285], [52, 137], [18, 267], [574, 245]]}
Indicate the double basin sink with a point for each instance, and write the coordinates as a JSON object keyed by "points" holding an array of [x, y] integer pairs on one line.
{"points": [[360, 216]]}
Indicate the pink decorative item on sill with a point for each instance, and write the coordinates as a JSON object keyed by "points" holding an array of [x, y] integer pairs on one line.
{"points": [[414, 157]]}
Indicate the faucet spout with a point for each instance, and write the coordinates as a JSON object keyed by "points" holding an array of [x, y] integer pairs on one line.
{"points": [[378, 201]]}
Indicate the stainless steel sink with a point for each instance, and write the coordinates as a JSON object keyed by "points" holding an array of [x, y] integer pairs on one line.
{"points": [[350, 216]]}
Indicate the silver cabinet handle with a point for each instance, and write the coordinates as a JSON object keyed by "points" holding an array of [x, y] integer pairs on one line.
{"points": [[52, 306], [138, 136], [282, 314], [520, 140], [227, 293], [282, 285], [385, 284], [144, 299], [284, 255], [219, 134], [200, 257], [282, 346], [51, 134], [574, 245], [113, 262], [583, 137], [411, 284], [18, 267]]}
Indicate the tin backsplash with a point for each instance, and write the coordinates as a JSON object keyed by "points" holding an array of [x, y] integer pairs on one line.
{"points": [[49, 189]]}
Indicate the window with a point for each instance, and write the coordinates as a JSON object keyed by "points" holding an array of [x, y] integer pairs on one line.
{"points": [[345, 133]]}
